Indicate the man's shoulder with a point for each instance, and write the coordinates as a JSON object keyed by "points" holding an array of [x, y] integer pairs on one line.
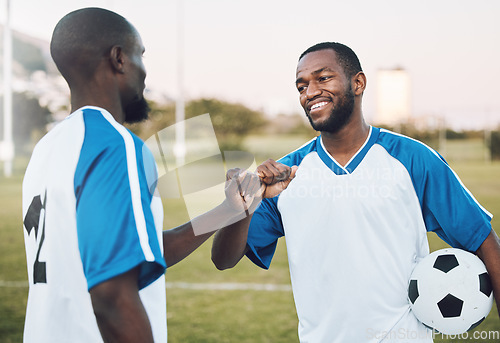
{"points": [[296, 156], [399, 144], [103, 132], [417, 157]]}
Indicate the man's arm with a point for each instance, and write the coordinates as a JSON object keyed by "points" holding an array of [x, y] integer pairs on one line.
{"points": [[242, 191], [120, 314], [489, 253], [180, 242], [230, 243]]}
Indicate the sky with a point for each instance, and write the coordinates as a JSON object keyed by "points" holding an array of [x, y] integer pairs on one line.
{"points": [[247, 51]]}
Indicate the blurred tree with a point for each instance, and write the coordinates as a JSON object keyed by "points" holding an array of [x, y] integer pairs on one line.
{"points": [[289, 124], [495, 145], [452, 134], [29, 120], [231, 121], [160, 117], [25, 52], [28, 55], [429, 136]]}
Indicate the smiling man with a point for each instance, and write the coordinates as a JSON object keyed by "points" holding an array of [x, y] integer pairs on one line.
{"points": [[357, 213]]}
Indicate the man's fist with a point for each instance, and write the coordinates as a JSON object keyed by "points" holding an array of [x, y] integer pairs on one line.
{"points": [[275, 177], [244, 190], [242, 187]]}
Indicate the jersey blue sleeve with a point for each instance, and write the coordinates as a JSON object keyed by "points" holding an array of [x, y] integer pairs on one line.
{"points": [[266, 226], [448, 208], [265, 229], [111, 238]]}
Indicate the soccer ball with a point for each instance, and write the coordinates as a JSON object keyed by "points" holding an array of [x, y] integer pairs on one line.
{"points": [[450, 291]]}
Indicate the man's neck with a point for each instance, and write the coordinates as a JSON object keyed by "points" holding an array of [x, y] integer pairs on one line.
{"points": [[113, 107], [342, 145]]}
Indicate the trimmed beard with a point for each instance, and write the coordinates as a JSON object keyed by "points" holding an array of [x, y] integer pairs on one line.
{"points": [[137, 111], [339, 116]]}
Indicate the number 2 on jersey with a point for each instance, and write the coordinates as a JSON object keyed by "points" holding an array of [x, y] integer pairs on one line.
{"points": [[32, 221]]}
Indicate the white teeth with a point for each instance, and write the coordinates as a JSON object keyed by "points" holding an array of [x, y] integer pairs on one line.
{"points": [[319, 104]]}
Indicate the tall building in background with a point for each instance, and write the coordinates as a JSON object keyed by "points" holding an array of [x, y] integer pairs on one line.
{"points": [[393, 96]]}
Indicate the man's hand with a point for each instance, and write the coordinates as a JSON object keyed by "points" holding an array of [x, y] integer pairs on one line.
{"points": [[270, 179], [244, 188], [275, 177]]}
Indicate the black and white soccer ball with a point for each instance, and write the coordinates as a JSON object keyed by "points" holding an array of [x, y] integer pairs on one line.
{"points": [[450, 291]]}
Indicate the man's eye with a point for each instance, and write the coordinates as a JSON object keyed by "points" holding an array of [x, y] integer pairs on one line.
{"points": [[301, 88], [324, 78]]}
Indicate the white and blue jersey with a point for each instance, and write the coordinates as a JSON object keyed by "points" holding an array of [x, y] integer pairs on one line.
{"points": [[89, 215], [354, 234]]}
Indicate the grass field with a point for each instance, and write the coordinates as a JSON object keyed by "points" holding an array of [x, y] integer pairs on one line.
{"points": [[221, 315]]}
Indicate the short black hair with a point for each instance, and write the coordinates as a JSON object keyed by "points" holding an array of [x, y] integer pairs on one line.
{"points": [[83, 37], [345, 56]]}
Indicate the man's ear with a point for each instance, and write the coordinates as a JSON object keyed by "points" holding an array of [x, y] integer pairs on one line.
{"points": [[359, 83], [117, 58]]}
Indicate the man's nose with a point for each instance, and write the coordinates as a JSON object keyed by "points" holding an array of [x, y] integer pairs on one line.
{"points": [[312, 90]]}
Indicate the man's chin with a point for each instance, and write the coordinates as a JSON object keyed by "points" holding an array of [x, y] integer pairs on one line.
{"points": [[330, 125], [317, 124], [137, 111]]}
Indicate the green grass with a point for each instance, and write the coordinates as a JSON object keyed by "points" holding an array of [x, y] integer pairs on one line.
{"points": [[12, 261], [230, 316], [464, 150], [221, 316]]}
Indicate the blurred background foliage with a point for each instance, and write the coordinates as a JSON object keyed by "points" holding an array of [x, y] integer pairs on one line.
{"points": [[231, 121], [30, 120]]}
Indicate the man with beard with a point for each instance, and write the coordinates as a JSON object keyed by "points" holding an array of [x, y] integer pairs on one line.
{"points": [[96, 252], [357, 213]]}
